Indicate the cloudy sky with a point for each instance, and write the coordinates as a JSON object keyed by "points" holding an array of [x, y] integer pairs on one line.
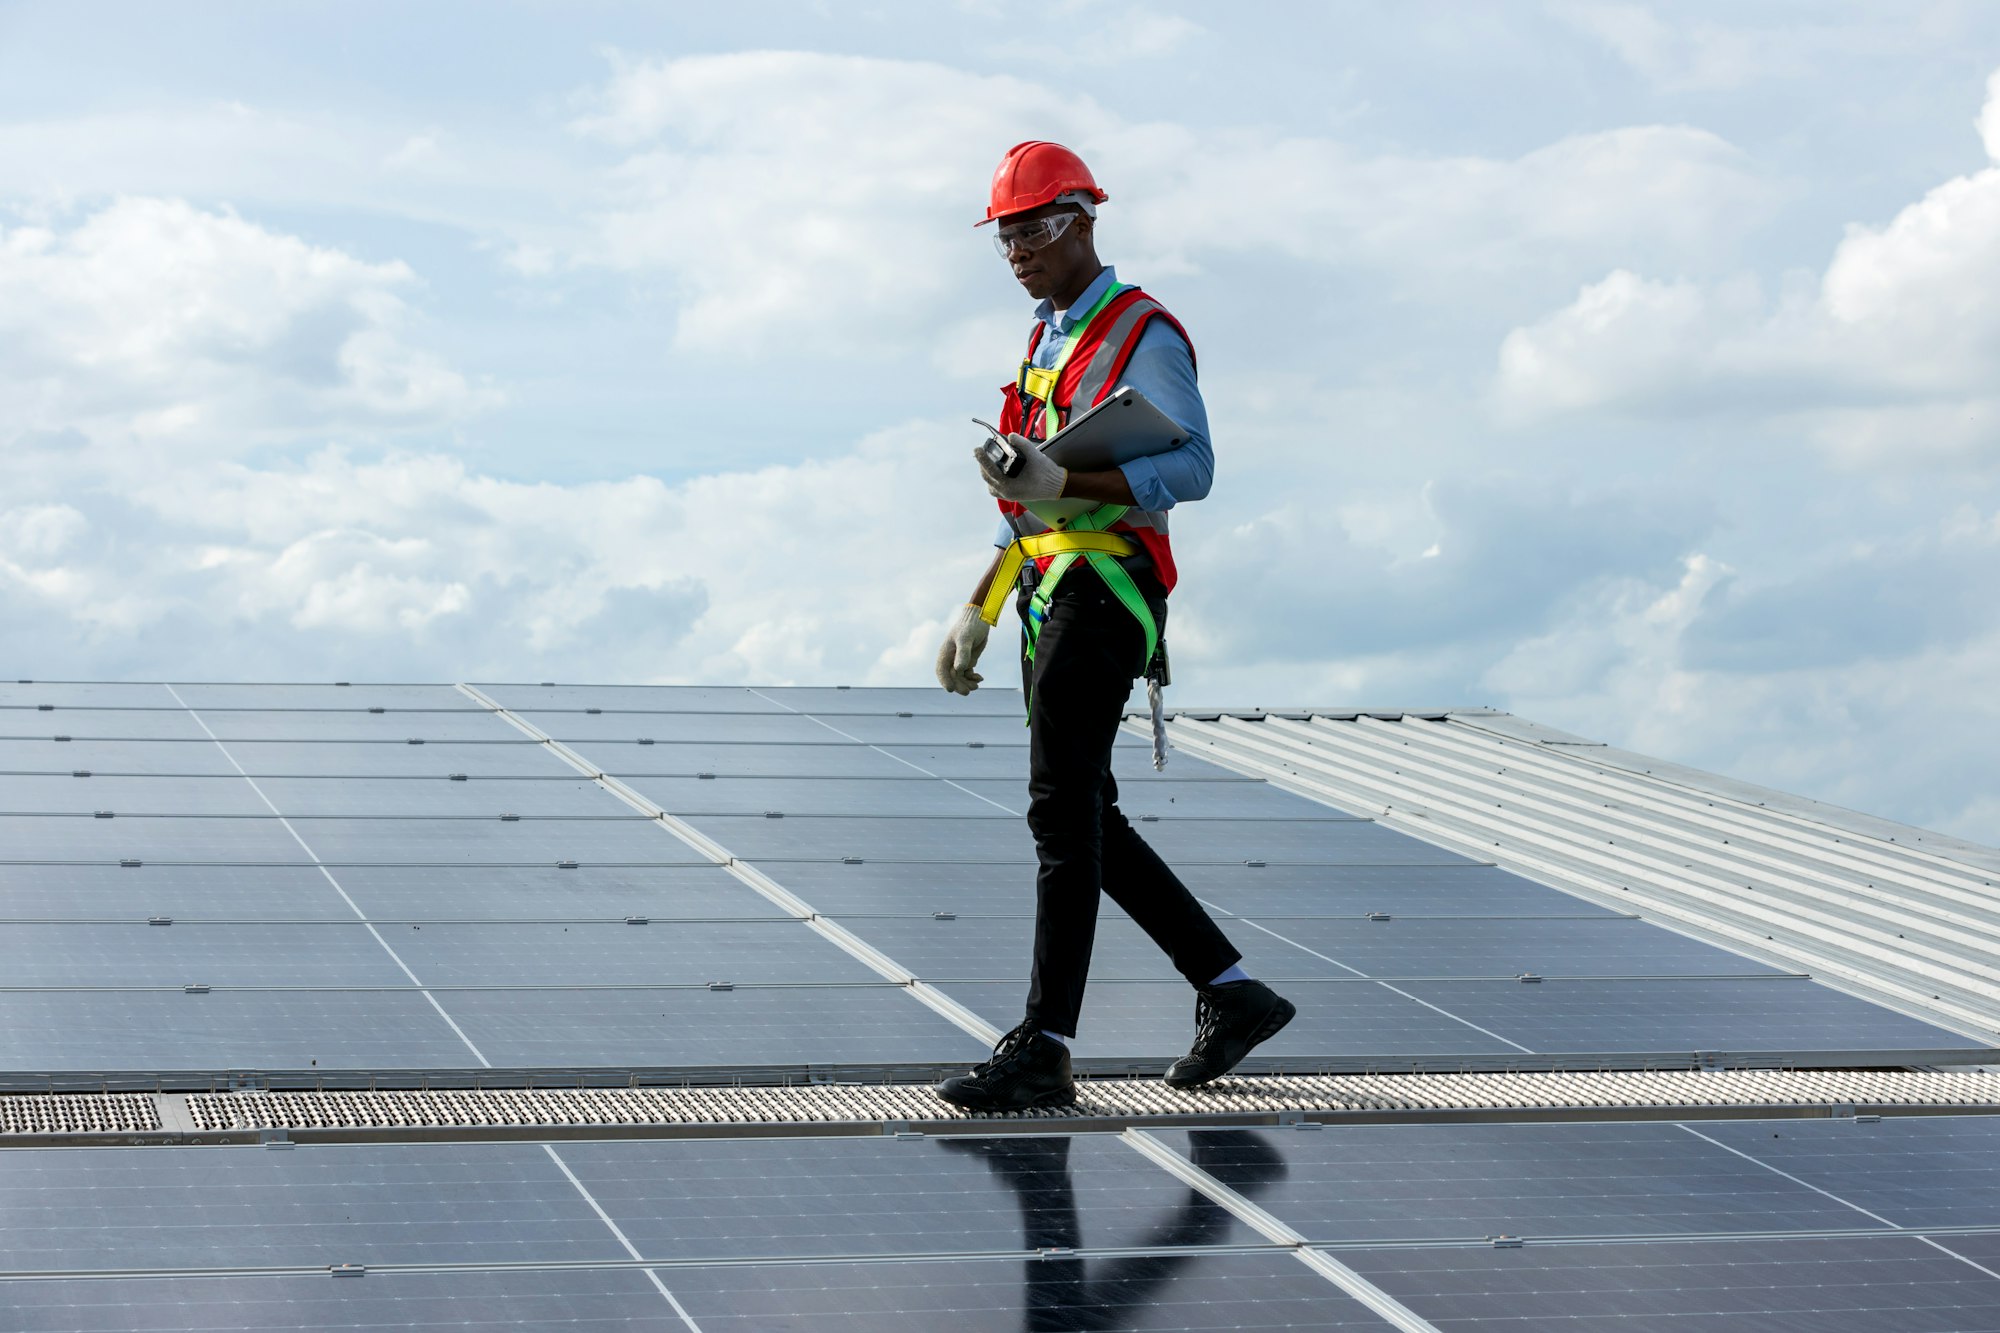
{"points": [[1632, 367]]}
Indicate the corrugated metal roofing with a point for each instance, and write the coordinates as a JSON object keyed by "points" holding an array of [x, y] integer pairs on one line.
{"points": [[1900, 915]]}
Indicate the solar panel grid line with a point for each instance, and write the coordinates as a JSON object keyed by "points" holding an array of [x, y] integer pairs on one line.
{"points": [[898, 758], [1799, 834], [1933, 1243], [1359, 974], [1340, 1275], [629, 1247], [1009, 810], [331, 879], [1693, 910], [946, 1007], [644, 1264]]}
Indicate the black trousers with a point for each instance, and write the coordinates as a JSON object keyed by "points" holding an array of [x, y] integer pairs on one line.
{"points": [[1090, 650]]}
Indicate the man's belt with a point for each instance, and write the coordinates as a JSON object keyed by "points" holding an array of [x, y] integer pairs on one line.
{"points": [[1036, 547]]}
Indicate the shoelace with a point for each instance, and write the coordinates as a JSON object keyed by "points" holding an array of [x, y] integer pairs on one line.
{"points": [[1207, 1020], [1009, 1049]]}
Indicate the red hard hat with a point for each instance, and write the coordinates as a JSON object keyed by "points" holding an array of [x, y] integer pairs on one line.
{"points": [[1035, 173]]}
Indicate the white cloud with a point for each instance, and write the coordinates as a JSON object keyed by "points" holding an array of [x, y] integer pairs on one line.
{"points": [[1891, 352], [791, 196], [154, 317], [773, 574]]}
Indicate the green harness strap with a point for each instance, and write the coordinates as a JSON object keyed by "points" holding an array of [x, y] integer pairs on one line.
{"points": [[1099, 519], [1115, 578]]}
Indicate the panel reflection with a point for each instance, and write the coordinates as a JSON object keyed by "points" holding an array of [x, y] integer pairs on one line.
{"points": [[1069, 1294]]}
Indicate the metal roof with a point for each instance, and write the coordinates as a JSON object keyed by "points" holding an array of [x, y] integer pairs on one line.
{"points": [[1906, 917]]}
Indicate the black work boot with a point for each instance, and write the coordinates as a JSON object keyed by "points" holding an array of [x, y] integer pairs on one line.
{"points": [[1228, 1020], [1027, 1069]]}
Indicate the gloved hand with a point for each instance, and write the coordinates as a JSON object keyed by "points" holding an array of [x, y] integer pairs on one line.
{"points": [[1040, 477], [962, 645]]}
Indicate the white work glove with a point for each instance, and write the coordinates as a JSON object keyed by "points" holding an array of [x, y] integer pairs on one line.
{"points": [[1040, 477], [962, 645]]}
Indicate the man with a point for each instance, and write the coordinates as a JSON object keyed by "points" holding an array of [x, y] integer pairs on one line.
{"points": [[1091, 607]]}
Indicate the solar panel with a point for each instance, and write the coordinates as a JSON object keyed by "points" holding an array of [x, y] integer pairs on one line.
{"points": [[445, 942], [1893, 1284], [1457, 889], [1385, 1183], [500, 757], [905, 793], [438, 795], [40, 793], [1716, 1014], [55, 758], [996, 948], [1412, 947], [585, 730], [352, 724], [1164, 1293], [992, 699], [322, 954], [535, 1299], [378, 1203], [167, 723], [616, 834], [136, 894], [830, 758], [660, 953], [112, 839], [170, 1029], [749, 1026], [1913, 1171], [587, 893], [648, 698], [93, 693], [209, 698], [816, 1198], [1174, 793]]}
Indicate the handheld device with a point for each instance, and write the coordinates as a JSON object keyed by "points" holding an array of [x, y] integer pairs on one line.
{"points": [[1003, 457]]}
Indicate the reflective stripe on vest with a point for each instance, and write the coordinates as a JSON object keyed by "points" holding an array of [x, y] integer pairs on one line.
{"points": [[1083, 536]]}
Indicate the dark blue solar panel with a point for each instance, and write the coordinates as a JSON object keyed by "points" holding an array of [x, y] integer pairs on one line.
{"points": [[748, 1026], [242, 1207], [1893, 1284], [804, 1198], [1458, 1182], [587, 893], [660, 953], [1409, 947], [596, 1299], [330, 953], [1701, 1015], [136, 894], [245, 1029], [1915, 1171], [1166, 1294]]}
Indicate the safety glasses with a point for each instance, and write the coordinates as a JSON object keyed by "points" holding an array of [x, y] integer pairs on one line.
{"points": [[1032, 236]]}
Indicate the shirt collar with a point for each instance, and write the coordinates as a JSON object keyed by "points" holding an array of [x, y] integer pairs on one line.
{"points": [[1092, 294]]}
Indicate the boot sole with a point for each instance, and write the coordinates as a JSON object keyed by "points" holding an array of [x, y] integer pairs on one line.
{"points": [[1064, 1097], [1283, 1012]]}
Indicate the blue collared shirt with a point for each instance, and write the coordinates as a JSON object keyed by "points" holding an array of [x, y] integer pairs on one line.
{"points": [[1162, 368]]}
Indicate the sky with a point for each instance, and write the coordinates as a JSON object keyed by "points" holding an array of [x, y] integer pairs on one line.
{"points": [[1634, 368]]}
